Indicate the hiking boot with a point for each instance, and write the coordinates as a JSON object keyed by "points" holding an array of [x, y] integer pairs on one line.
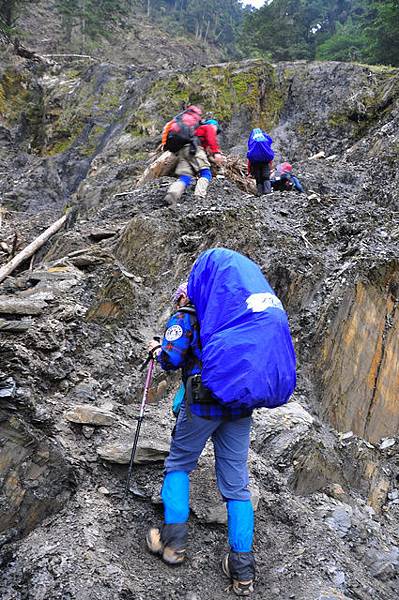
{"points": [[170, 200], [240, 568], [201, 187], [259, 189], [175, 192], [267, 187], [168, 542]]}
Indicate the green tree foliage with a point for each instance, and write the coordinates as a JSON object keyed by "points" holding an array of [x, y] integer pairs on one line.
{"points": [[91, 17], [289, 29], [348, 43], [216, 21], [363, 30], [379, 19]]}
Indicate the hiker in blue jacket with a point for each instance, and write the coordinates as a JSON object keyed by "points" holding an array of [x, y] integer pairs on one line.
{"points": [[284, 180], [260, 160], [220, 396]]}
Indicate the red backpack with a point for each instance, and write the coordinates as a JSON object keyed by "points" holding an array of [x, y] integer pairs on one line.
{"points": [[182, 129]]}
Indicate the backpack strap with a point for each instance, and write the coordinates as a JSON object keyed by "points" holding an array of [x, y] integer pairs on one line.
{"points": [[188, 309]]}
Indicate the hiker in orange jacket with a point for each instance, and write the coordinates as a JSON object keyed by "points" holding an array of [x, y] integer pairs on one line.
{"points": [[194, 160]]}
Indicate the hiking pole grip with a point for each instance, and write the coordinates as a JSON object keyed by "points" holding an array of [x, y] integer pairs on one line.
{"points": [[150, 354], [140, 419]]}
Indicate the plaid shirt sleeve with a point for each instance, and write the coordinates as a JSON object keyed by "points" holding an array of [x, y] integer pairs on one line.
{"points": [[176, 342]]}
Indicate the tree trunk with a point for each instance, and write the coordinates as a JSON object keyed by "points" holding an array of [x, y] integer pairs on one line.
{"points": [[7, 12], [31, 248], [219, 34], [207, 30], [164, 165]]}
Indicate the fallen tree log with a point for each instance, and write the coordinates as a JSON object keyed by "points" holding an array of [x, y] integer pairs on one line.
{"points": [[71, 56], [31, 248], [163, 165]]}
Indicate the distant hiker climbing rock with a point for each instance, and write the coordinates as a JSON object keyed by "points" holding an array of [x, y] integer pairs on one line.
{"points": [[195, 143], [283, 179], [260, 160], [236, 354]]}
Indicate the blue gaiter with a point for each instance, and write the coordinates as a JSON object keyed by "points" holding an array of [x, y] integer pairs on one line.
{"points": [[240, 523], [175, 495]]}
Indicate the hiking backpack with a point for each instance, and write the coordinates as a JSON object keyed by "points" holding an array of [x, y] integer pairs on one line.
{"points": [[248, 359], [182, 129], [260, 146], [284, 168]]}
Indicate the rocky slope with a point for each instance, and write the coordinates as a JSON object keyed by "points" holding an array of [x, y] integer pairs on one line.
{"points": [[325, 468]]}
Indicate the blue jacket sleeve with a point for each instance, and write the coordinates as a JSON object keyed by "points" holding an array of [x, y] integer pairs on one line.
{"points": [[297, 184], [176, 342]]}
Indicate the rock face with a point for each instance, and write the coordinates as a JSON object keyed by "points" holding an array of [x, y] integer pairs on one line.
{"points": [[36, 477], [359, 364]]}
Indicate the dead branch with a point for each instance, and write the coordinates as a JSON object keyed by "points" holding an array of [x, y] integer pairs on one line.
{"points": [[14, 244], [31, 248], [71, 56], [235, 169], [3, 212]]}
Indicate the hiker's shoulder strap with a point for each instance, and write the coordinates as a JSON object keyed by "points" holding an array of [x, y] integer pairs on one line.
{"points": [[165, 132], [188, 309]]}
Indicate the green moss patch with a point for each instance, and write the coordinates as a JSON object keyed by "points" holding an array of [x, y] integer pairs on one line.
{"points": [[223, 90], [93, 100], [14, 95]]}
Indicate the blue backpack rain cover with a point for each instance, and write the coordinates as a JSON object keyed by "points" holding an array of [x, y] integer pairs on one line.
{"points": [[260, 146], [248, 358]]}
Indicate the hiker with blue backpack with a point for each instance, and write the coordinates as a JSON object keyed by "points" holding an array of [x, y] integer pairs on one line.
{"points": [[260, 157], [244, 359], [195, 144]]}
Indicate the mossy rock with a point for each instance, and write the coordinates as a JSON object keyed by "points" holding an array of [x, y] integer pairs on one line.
{"points": [[14, 95], [78, 117], [368, 106], [222, 90]]}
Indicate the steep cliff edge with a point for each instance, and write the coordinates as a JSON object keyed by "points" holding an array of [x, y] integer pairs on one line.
{"points": [[324, 468]]}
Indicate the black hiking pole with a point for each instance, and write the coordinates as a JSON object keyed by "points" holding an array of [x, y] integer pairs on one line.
{"points": [[150, 362]]}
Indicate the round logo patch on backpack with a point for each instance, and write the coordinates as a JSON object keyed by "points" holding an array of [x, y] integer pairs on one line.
{"points": [[173, 333]]}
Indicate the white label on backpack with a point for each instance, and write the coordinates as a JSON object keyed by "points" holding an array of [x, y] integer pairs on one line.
{"points": [[258, 135], [173, 333], [263, 301]]}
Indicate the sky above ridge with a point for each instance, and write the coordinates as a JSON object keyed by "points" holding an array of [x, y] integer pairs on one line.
{"points": [[256, 3]]}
